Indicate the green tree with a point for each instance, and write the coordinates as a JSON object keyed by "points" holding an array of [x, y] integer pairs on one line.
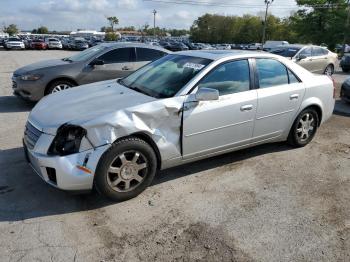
{"points": [[11, 29], [42, 30], [320, 21], [113, 20], [111, 36]]}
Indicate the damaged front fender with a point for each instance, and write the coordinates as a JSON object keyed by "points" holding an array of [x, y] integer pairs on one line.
{"points": [[159, 119]]}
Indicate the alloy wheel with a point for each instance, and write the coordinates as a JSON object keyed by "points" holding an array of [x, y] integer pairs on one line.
{"points": [[306, 127], [60, 87], [127, 171]]}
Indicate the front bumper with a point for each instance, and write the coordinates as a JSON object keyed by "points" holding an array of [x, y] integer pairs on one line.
{"points": [[62, 172], [28, 90]]}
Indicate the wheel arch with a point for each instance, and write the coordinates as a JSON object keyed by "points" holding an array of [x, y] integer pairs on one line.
{"points": [[66, 78], [148, 139], [318, 109]]}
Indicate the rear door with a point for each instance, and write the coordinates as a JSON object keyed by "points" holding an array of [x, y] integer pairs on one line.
{"points": [[306, 62], [117, 63], [147, 55], [320, 59], [280, 95]]}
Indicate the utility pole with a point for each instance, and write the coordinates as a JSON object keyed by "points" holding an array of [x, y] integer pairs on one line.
{"points": [[154, 22], [347, 23], [267, 3]]}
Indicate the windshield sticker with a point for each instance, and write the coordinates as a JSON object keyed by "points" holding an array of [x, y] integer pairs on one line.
{"points": [[194, 66]]}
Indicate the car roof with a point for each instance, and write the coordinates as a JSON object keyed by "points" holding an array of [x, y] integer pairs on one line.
{"points": [[132, 44], [219, 54]]}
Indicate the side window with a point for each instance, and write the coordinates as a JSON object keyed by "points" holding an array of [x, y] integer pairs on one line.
{"points": [[120, 55], [271, 73], [324, 51], [292, 78], [229, 78], [147, 54], [306, 52], [317, 51]]}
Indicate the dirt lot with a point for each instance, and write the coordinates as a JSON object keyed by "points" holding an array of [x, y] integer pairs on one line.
{"points": [[268, 203]]}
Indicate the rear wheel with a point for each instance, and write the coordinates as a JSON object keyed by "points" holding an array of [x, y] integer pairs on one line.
{"points": [[329, 70], [59, 85], [126, 169], [304, 128]]}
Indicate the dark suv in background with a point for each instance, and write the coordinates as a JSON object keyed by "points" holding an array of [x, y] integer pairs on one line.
{"points": [[102, 62]]}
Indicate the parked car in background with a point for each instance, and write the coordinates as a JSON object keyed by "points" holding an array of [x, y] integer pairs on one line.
{"points": [[95, 41], [175, 46], [14, 43], [223, 47], [115, 135], [255, 46], [345, 63], [79, 44], [345, 91], [273, 44], [316, 59], [54, 43], [101, 62], [39, 44]]}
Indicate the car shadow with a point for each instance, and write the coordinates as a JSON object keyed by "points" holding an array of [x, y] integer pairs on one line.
{"points": [[341, 108], [23, 195], [12, 104]]}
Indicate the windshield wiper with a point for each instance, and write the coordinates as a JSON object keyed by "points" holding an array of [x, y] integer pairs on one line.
{"points": [[67, 59], [135, 88]]}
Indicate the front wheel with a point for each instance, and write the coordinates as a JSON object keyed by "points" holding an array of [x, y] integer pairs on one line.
{"points": [[304, 128], [58, 86], [126, 169]]}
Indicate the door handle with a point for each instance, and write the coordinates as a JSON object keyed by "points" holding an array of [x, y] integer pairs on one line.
{"points": [[246, 108], [295, 96], [126, 68]]}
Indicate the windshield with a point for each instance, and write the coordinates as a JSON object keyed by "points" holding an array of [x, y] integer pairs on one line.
{"points": [[286, 52], [166, 76], [14, 39], [86, 54]]}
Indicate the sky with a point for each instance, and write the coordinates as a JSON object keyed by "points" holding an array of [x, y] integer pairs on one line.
{"points": [[91, 14]]}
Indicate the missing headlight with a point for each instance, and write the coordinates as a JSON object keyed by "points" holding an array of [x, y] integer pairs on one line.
{"points": [[67, 140]]}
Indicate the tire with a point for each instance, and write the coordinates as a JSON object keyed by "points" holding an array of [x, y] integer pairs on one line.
{"points": [[54, 86], [300, 136], [329, 70], [345, 70], [129, 177]]}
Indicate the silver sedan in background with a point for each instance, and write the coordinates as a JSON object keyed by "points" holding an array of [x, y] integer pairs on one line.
{"points": [[316, 59], [101, 62], [115, 135]]}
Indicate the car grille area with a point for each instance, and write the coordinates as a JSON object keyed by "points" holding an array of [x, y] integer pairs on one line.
{"points": [[31, 135]]}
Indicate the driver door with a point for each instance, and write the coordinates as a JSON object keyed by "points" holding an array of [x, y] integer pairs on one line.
{"points": [[117, 63], [212, 126]]}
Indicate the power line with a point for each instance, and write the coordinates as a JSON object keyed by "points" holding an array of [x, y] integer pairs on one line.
{"points": [[245, 6]]}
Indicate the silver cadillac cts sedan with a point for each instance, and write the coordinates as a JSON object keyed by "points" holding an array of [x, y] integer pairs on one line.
{"points": [[115, 135]]}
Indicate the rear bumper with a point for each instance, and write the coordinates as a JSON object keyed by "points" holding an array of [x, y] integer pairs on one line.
{"points": [[62, 172]]}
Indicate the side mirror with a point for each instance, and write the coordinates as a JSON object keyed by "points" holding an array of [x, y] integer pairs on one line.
{"points": [[207, 94], [97, 62], [301, 57]]}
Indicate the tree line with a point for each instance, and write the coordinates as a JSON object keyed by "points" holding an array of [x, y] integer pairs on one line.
{"points": [[317, 21]]}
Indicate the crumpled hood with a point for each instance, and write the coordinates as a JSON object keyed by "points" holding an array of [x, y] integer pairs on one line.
{"points": [[84, 103], [40, 65]]}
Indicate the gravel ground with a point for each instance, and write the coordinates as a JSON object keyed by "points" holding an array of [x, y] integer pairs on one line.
{"points": [[268, 203]]}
